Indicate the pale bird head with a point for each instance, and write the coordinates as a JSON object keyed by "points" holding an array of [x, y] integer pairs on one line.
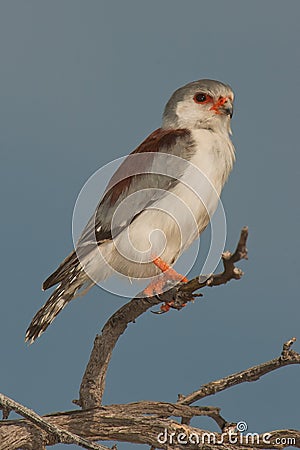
{"points": [[201, 104]]}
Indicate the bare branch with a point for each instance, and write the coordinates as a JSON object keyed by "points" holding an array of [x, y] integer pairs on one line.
{"points": [[103, 424], [146, 422], [161, 409], [230, 272], [93, 382], [286, 358], [58, 435]]}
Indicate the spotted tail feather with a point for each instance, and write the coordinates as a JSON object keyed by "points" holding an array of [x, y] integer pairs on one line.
{"points": [[62, 295]]}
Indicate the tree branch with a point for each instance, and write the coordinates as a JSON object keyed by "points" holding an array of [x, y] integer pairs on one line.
{"points": [[147, 422], [58, 435], [230, 272], [286, 358], [106, 424], [93, 382]]}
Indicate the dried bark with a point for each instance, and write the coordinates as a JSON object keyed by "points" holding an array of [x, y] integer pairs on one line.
{"points": [[140, 423]]}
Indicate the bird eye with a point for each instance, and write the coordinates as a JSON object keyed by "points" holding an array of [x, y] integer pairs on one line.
{"points": [[200, 97]]}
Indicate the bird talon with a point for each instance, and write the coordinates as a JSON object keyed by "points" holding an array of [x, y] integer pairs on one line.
{"points": [[164, 308], [167, 306], [158, 312]]}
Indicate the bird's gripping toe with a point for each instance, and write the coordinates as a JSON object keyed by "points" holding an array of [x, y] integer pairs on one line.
{"points": [[158, 286]]}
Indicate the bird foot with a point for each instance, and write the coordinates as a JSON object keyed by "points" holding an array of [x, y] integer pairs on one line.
{"points": [[169, 274], [168, 305], [158, 286], [169, 271]]}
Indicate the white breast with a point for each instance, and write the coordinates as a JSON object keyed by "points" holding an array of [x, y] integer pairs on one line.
{"points": [[214, 156], [202, 182]]}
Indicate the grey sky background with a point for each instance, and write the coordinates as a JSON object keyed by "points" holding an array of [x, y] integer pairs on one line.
{"points": [[82, 83]]}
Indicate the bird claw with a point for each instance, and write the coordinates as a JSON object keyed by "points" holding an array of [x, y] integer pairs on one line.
{"points": [[168, 305], [158, 312]]}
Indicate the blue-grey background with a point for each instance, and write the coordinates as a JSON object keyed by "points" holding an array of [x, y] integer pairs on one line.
{"points": [[82, 83]]}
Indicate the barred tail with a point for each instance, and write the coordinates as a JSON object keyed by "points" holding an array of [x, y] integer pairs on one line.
{"points": [[62, 295]]}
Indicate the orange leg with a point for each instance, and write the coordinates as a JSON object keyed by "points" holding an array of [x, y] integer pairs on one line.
{"points": [[156, 287], [171, 273]]}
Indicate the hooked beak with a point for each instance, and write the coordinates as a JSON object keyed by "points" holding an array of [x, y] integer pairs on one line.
{"points": [[223, 106]]}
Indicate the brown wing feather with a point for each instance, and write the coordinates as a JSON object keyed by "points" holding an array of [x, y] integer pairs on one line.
{"points": [[159, 140], [125, 177]]}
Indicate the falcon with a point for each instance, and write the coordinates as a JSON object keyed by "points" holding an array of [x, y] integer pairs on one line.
{"points": [[156, 204]]}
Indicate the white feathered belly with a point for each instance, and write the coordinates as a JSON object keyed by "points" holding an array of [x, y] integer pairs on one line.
{"points": [[172, 223]]}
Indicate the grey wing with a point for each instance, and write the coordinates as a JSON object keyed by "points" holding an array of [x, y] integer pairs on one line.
{"points": [[134, 187], [110, 219], [142, 179], [141, 194]]}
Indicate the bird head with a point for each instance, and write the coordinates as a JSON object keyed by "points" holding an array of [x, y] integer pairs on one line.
{"points": [[200, 104]]}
